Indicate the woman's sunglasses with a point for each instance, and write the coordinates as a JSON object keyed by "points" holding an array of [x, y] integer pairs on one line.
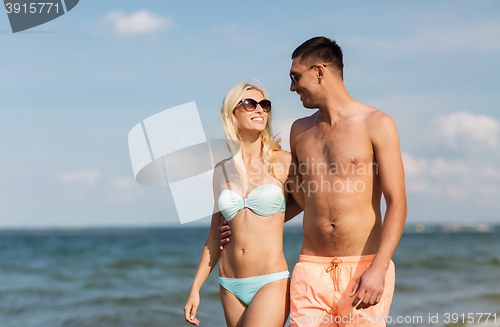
{"points": [[251, 104]]}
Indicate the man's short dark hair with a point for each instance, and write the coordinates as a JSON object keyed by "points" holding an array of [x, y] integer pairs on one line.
{"points": [[323, 49]]}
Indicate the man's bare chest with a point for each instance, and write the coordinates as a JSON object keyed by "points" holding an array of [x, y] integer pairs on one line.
{"points": [[340, 147]]}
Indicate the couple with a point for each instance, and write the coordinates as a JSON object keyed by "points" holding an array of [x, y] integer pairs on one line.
{"points": [[343, 158]]}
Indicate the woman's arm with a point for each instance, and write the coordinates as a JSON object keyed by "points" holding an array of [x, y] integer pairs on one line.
{"points": [[210, 255], [209, 258]]}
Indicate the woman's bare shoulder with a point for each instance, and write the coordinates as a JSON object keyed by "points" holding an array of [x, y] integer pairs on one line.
{"points": [[223, 162], [283, 157], [282, 165]]}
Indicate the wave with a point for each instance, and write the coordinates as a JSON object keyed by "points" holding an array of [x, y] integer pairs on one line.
{"points": [[447, 262]]}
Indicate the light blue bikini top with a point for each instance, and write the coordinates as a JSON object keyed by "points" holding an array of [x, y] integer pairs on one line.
{"points": [[264, 200]]}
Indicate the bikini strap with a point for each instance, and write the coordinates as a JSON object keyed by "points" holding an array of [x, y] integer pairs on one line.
{"points": [[225, 176]]}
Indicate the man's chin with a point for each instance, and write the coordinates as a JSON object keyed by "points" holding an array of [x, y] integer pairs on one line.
{"points": [[308, 105]]}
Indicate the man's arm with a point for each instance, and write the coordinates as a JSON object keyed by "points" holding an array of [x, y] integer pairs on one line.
{"points": [[224, 232], [295, 201], [295, 198], [292, 208], [384, 135]]}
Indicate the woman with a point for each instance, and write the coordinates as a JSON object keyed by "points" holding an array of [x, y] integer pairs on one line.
{"points": [[254, 278]]}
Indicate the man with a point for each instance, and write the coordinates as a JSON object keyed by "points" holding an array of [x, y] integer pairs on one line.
{"points": [[348, 155]]}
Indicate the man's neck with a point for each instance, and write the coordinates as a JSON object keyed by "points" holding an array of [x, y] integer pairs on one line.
{"points": [[338, 104]]}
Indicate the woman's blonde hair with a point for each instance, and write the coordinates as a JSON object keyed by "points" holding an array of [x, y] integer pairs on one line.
{"points": [[230, 124]]}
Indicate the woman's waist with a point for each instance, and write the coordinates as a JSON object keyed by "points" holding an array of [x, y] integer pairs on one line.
{"points": [[245, 263]]}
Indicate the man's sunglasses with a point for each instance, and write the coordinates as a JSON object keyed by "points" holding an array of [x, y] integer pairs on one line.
{"points": [[251, 105], [295, 77]]}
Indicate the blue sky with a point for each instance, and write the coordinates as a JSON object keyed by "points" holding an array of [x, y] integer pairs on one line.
{"points": [[71, 89]]}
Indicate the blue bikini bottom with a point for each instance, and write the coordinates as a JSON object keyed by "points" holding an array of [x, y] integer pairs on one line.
{"points": [[246, 288]]}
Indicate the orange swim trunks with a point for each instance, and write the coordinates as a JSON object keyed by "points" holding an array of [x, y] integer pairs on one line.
{"points": [[320, 288]]}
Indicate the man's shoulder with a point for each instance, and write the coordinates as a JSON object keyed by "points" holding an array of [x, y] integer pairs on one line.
{"points": [[376, 119], [301, 124], [379, 124]]}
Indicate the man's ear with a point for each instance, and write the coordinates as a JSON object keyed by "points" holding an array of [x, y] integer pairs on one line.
{"points": [[320, 73]]}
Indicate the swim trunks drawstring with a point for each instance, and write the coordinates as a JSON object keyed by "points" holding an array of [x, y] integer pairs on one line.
{"points": [[334, 268]]}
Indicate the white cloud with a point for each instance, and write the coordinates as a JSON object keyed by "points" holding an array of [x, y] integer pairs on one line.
{"points": [[423, 187], [411, 112], [456, 192], [121, 190], [79, 177], [82, 184], [413, 166], [490, 189], [138, 23], [491, 173], [442, 168], [454, 179], [79, 182], [122, 182], [465, 131], [437, 168]]}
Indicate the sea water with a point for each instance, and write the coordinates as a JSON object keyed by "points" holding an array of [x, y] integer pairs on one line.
{"points": [[142, 277]]}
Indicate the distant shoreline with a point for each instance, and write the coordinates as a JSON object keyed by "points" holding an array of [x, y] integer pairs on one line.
{"points": [[414, 228]]}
